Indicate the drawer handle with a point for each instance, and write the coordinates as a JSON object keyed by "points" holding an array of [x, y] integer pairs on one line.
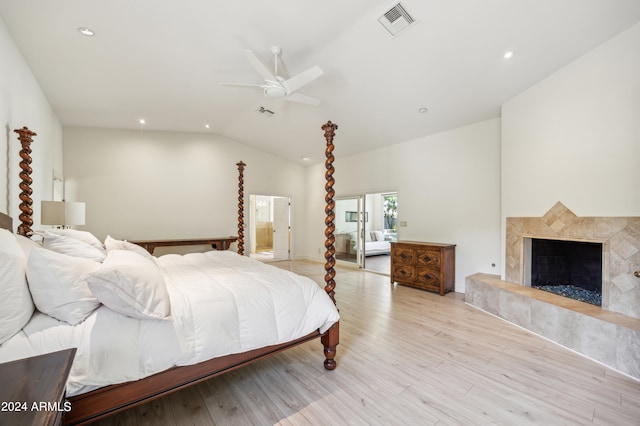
{"points": [[426, 276], [427, 259]]}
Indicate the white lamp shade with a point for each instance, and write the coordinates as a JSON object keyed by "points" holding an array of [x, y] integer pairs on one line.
{"points": [[62, 213]]}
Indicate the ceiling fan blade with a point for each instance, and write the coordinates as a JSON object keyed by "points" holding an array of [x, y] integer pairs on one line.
{"points": [[243, 85], [259, 66], [299, 80], [303, 99]]}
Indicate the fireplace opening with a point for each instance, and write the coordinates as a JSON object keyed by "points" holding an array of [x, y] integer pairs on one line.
{"points": [[569, 268]]}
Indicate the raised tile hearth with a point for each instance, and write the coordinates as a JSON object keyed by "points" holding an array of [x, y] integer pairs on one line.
{"points": [[608, 337], [609, 334]]}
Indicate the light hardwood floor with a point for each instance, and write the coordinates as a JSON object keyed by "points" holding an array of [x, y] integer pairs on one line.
{"points": [[406, 357]]}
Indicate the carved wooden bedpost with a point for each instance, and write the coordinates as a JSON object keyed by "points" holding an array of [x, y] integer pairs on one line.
{"points": [[240, 207], [329, 255], [331, 338], [25, 136]]}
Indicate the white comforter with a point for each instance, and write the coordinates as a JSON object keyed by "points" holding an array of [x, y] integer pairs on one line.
{"points": [[221, 303]]}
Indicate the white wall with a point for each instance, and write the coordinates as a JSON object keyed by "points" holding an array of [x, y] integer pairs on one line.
{"points": [[448, 191], [151, 185], [575, 137], [22, 103]]}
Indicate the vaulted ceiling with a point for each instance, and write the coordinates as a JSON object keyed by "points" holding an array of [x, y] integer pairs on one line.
{"points": [[165, 60]]}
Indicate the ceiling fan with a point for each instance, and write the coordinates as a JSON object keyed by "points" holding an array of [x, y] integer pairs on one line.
{"points": [[275, 86]]}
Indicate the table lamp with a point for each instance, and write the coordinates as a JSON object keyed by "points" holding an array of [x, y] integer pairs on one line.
{"points": [[63, 214]]}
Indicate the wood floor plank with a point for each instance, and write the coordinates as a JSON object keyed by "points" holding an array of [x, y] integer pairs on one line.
{"points": [[222, 401], [149, 414], [189, 407], [407, 357]]}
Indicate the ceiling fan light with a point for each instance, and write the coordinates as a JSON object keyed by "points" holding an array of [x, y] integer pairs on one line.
{"points": [[274, 92]]}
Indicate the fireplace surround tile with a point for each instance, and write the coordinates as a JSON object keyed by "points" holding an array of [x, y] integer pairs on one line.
{"points": [[545, 319], [627, 352], [515, 308], [595, 339]]}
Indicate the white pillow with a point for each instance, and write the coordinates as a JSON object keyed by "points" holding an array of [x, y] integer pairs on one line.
{"points": [[27, 245], [72, 247], [58, 285], [16, 306], [84, 236], [113, 244], [377, 236], [132, 285], [367, 237]]}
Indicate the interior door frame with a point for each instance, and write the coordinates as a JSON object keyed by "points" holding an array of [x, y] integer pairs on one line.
{"points": [[252, 222], [363, 225], [281, 232]]}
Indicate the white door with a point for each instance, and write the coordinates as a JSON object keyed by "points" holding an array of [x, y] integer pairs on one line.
{"points": [[281, 228]]}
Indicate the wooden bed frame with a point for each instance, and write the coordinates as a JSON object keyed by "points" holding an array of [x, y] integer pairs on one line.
{"points": [[103, 402]]}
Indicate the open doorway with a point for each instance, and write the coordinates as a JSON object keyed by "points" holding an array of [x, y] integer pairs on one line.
{"points": [[269, 227], [380, 230], [366, 225]]}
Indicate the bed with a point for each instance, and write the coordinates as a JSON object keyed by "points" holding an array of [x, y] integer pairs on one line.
{"points": [[143, 326]]}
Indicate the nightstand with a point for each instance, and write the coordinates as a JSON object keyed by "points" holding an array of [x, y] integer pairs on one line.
{"points": [[33, 389]]}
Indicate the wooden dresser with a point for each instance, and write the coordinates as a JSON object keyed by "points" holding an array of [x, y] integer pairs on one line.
{"points": [[429, 266]]}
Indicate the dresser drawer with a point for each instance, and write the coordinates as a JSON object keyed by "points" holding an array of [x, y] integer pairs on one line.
{"points": [[428, 258], [403, 273], [428, 278], [404, 256]]}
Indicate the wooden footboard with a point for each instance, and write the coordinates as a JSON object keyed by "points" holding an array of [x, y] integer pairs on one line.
{"points": [[103, 402]]}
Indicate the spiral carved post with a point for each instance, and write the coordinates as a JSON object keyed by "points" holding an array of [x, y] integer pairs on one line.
{"points": [[240, 207], [25, 136], [329, 255], [331, 338]]}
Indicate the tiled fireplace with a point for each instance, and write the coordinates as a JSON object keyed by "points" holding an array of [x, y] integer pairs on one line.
{"points": [[611, 334], [620, 238]]}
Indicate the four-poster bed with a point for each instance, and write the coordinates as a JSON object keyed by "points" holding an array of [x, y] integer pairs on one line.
{"points": [[107, 400]]}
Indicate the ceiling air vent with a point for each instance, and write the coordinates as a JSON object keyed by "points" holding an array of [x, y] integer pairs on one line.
{"points": [[396, 19]]}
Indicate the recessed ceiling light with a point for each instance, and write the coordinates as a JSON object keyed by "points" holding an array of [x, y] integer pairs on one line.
{"points": [[305, 158], [422, 110], [508, 54], [142, 121], [86, 31], [207, 126]]}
